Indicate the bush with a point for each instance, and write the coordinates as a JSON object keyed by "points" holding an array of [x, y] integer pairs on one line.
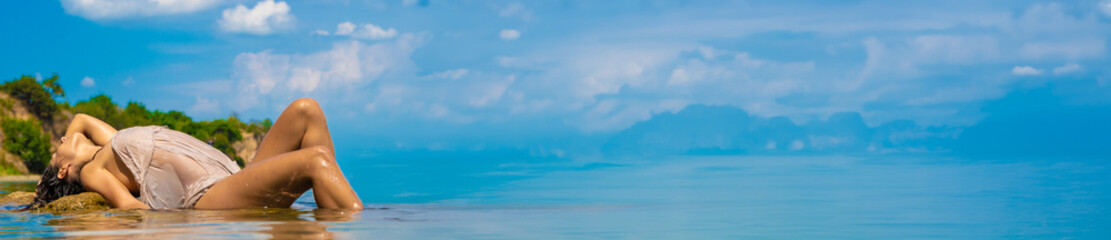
{"points": [[101, 107], [220, 133], [39, 97], [7, 168], [26, 140]]}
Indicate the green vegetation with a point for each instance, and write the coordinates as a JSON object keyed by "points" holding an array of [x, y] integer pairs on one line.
{"points": [[220, 133], [7, 168], [38, 97], [26, 140]]}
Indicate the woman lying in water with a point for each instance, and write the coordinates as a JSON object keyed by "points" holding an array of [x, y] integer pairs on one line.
{"points": [[155, 167]]}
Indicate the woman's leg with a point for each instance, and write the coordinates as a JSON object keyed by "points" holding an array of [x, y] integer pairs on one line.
{"points": [[297, 154], [280, 180], [301, 125]]}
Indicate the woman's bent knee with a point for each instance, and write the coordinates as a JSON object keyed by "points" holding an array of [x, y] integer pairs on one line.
{"points": [[305, 106], [305, 102], [320, 158], [322, 151]]}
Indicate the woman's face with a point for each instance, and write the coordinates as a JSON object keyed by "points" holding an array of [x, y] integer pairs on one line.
{"points": [[66, 156]]}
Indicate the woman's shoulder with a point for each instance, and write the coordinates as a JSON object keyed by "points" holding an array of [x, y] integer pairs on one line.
{"points": [[101, 159]]}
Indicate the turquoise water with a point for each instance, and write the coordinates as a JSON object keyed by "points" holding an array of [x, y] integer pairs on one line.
{"points": [[700, 197]]}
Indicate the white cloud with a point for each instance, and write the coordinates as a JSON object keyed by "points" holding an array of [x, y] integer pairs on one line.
{"points": [[892, 59], [1049, 31], [1067, 68], [606, 86], [770, 145], [88, 82], [489, 92], [515, 10], [114, 9], [610, 78], [896, 71], [373, 32], [264, 72], [304, 79], [264, 18], [707, 69], [509, 34], [266, 77], [204, 106], [368, 31], [893, 71], [679, 76], [897, 68], [320, 32], [1068, 49], [953, 48], [615, 114], [1051, 19], [877, 55], [1105, 7], [797, 145], [128, 82], [454, 74], [737, 72], [451, 101], [1025, 71], [345, 28], [707, 52], [260, 73]]}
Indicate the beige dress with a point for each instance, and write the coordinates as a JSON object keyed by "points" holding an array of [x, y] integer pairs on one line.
{"points": [[172, 168]]}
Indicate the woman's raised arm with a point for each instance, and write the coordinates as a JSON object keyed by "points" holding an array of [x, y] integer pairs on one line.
{"points": [[96, 130]]}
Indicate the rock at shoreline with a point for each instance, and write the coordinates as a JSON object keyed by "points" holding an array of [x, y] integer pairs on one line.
{"points": [[77, 203], [83, 202], [17, 198]]}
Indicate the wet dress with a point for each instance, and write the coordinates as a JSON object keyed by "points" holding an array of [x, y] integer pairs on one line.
{"points": [[173, 169]]}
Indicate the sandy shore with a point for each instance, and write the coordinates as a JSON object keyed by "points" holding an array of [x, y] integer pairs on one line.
{"points": [[20, 178]]}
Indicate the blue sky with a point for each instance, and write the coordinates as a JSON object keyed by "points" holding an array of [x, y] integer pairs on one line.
{"points": [[558, 77]]}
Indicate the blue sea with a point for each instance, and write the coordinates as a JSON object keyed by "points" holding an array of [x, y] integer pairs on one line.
{"points": [[680, 197]]}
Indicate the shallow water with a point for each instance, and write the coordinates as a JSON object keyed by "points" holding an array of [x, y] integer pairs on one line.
{"points": [[671, 198]]}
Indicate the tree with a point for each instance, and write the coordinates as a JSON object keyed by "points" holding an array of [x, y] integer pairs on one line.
{"points": [[25, 139], [222, 134], [101, 107], [38, 97]]}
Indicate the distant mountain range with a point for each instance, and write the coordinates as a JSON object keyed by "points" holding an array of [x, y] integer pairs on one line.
{"points": [[704, 129], [1033, 123]]}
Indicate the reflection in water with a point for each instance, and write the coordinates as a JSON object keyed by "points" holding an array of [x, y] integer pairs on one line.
{"points": [[726, 197], [281, 223], [17, 186], [147, 224]]}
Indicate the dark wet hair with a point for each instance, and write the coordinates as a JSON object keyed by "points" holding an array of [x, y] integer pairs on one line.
{"points": [[51, 188]]}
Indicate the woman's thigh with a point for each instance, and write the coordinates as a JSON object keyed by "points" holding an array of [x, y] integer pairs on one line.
{"points": [[275, 182], [301, 125]]}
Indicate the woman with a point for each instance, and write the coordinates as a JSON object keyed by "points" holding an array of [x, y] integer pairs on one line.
{"points": [[155, 167]]}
